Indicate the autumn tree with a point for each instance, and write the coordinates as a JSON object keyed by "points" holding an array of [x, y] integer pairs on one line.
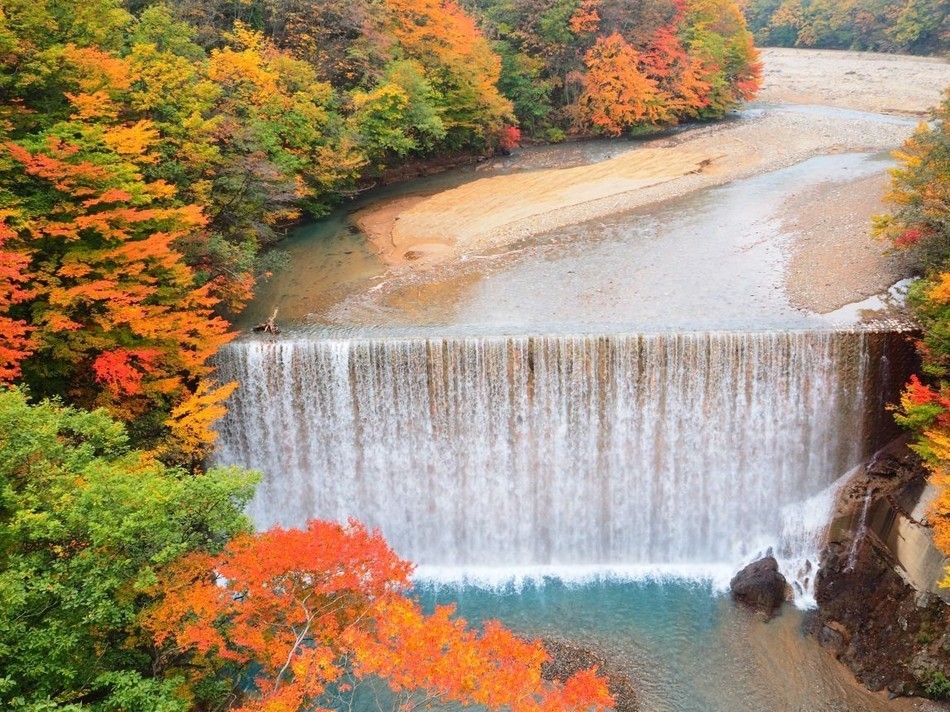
{"points": [[617, 96], [607, 66], [249, 133], [677, 73], [921, 27], [345, 41], [86, 521], [299, 619], [115, 317], [920, 193], [39, 41], [907, 26], [459, 65], [17, 343], [727, 63], [920, 222], [246, 132]]}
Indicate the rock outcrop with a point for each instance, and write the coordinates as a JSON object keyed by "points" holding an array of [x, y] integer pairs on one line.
{"points": [[890, 634]]}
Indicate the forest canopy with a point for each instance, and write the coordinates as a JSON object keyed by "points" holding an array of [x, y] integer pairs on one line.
{"points": [[904, 26], [153, 152]]}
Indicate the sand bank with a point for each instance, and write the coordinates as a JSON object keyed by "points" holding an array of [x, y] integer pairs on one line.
{"points": [[809, 105]]}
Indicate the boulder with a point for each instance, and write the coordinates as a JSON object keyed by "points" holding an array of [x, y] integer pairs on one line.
{"points": [[760, 586]]}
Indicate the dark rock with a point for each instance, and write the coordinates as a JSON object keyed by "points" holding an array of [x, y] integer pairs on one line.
{"points": [[884, 631], [832, 637], [567, 659], [885, 465], [891, 636], [760, 586]]}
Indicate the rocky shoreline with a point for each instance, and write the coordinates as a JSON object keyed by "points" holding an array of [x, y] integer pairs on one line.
{"points": [[889, 633]]}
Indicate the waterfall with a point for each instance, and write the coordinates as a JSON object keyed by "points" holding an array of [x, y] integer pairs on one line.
{"points": [[553, 451], [861, 531]]}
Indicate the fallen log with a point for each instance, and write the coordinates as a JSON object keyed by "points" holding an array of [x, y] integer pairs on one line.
{"points": [[269, 326]]}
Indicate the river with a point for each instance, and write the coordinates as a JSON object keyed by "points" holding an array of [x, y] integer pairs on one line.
{"points": [[587, 432]]}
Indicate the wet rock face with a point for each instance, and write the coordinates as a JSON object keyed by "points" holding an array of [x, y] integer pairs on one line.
{"points": [[760, 586], [877, 625], [567, 659], [889, 634]]}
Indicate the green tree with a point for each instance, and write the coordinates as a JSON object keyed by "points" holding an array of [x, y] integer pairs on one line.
{"points": [[399, 116], [523, 80], [85, 523]]}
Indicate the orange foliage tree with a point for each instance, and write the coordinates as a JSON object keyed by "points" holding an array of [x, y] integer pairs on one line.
{"points": [[714, 32], [16, 344], [655, 64], [678, 74], [313, 617], [616, 94], [114, 314]]}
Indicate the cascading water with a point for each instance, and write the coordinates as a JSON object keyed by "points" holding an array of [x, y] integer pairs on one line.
{"points": [[862, 530], [618, 452]]}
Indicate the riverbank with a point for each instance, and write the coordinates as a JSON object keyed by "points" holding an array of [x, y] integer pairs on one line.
{"points": [[880, 613], [833, 260]]}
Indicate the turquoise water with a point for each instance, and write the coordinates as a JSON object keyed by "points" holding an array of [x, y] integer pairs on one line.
{"points": [[684, 646], [659, 633]]}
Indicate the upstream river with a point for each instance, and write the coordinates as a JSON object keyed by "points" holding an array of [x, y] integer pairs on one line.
{"points": [[712, 259]]}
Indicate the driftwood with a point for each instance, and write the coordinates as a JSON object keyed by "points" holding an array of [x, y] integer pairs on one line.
{"points": [[269, 326]]}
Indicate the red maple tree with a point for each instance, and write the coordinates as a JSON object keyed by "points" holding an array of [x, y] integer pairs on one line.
{"points": [[320, 612]]}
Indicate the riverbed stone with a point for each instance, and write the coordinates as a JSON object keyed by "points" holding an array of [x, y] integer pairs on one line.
{"points": [[565, 659], [760, 586], [832, 636]]}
